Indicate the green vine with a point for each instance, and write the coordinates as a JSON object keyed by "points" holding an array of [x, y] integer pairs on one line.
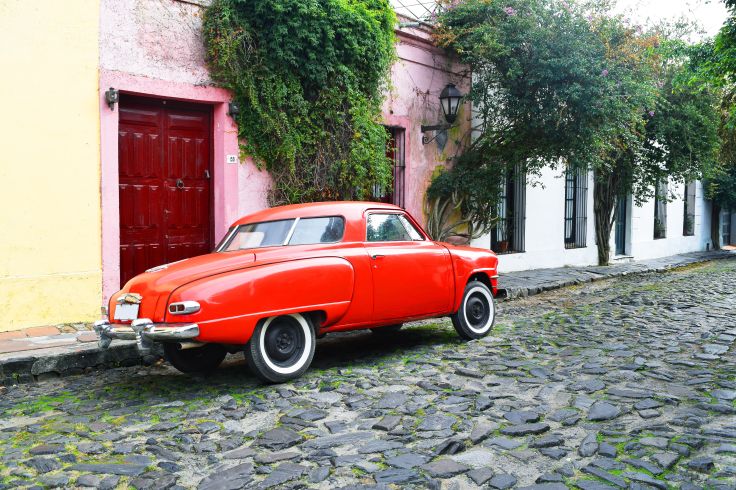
{"points": [[309, 78]]}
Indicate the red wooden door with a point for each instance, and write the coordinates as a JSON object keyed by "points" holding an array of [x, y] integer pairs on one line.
{"points": [[165, 167]]}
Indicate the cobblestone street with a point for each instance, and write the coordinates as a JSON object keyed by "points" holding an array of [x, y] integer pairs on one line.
{"points": [[626, 383]]}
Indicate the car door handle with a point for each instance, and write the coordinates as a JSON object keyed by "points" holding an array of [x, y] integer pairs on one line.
{"points": [[377, 256]]}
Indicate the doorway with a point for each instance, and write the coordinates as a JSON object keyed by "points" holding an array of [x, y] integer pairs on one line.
{"points": [[165, 186]]}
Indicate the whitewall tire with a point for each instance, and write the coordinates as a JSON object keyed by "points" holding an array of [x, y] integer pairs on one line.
{"points": [[281, 348], [477, 313]]}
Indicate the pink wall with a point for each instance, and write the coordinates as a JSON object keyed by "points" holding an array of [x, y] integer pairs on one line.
{"points": [[155, 49], [225, 176], [419, 75]]}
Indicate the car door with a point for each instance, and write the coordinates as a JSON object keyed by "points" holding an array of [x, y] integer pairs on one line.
{"points": [[412, 276]]}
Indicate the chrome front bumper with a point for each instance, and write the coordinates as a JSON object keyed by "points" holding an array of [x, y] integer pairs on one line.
{"points": [[145, 332]]}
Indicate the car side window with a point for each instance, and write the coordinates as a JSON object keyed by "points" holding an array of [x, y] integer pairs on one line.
{"points": [[328, 229], [390, 228], [413, 232]]}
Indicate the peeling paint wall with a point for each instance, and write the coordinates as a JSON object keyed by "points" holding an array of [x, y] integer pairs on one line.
{"points": [[162, 40], [155, 48], [417, 78], [155, 38]]}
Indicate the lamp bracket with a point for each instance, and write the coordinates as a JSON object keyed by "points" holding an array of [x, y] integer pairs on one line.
{"points": [[437, 128], [112, 96]]}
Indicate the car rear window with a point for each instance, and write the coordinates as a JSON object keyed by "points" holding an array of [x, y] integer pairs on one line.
{"points": [[254, 235], [328, 229], [304, 231]]}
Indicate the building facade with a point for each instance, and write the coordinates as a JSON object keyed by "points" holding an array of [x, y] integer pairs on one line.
{"points": [[550, 223], [126, 157], [50, 243], [133, 157]]}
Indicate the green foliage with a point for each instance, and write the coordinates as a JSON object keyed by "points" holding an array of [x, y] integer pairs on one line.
{"points": [[537, 72], [462, 202], [568, 83], [682, 139], [716, 64], [308, 76]]}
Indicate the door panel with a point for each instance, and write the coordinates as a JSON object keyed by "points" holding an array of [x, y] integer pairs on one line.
{"points": [[410, 279], [165, 165]]}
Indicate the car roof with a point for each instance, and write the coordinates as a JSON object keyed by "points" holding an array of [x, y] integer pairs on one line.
{"points": [[348, 209]]}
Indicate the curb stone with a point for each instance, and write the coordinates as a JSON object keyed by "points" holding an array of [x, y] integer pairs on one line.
{"points": [[42, 364]]}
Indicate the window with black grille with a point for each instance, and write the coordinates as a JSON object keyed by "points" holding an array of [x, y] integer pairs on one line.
{"points": [[660, 210], [576, 208], [395, 152], [688, 219], [507, 235]]}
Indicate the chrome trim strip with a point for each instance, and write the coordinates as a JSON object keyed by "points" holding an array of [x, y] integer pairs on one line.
{"points": [[291, 232], [226, 241]]}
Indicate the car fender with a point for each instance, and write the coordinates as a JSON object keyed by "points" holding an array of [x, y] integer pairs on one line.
{"points": [[233, 302], [468, 262]]}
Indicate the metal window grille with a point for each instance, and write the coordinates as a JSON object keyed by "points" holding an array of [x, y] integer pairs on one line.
{"points": [[688, 221], [395, 152], [507, 235], [725, 228], [660, 210], [576, 208]]}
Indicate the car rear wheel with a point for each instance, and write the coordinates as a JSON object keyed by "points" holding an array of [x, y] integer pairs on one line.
{"points": [[388, 329], [477, 312], [281, 348], [195, 360]]}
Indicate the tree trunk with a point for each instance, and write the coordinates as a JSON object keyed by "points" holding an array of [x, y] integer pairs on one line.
{"points": [[604, 201], [715, 221]]}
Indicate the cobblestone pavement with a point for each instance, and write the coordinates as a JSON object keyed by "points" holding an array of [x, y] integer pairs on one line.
{"points": [[622, 383]]}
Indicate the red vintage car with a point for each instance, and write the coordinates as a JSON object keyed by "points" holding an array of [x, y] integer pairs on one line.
{"points": [[284, 276]]}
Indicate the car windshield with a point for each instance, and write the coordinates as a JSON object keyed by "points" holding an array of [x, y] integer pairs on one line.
{"points": [[304, 231]]}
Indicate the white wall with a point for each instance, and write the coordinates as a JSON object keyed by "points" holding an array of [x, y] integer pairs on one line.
{"points": [[544, 228], [643, 244], [545, 231]]}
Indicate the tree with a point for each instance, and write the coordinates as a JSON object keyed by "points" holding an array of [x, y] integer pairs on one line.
{"points": [[716, 64], [563, 84]]}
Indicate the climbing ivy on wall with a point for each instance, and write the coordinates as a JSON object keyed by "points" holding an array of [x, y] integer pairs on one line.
{"points": [[308, 77]]}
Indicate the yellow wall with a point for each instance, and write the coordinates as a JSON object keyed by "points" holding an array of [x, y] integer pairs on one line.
{"points": [[50, 251]]}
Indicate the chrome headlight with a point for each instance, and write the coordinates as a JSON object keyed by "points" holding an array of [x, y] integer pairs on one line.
{"points": [[184, 308]]}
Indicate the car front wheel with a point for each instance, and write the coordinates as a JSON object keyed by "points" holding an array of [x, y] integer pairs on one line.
{"points": [[477, 312], [195, 360], [281, 348]]}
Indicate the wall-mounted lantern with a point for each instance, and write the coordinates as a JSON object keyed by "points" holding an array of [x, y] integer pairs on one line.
{"points": [[233, 110], [450, 98], [112, 97]]}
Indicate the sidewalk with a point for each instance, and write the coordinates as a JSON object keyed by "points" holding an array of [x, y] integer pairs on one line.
{"points": [[529, 283], [40, 353]]}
